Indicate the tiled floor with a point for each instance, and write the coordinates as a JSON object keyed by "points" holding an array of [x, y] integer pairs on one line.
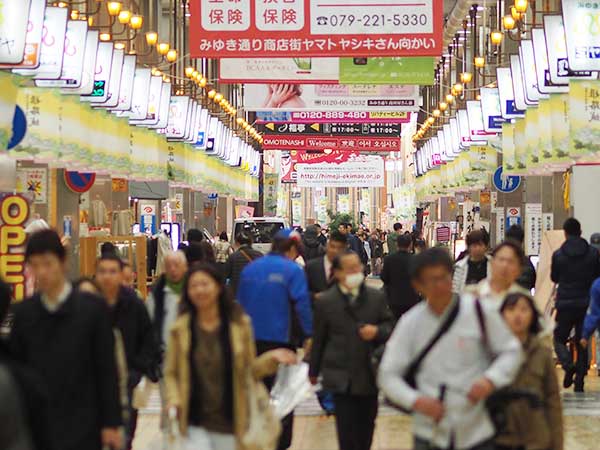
{"points": [[314, 432]]}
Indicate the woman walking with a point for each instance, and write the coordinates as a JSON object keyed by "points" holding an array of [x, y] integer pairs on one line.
{"points": [[222, 251], [210, 358]]}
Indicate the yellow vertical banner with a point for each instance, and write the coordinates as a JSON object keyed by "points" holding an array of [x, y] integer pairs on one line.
{"points": [[8, 102], [584, 116]]}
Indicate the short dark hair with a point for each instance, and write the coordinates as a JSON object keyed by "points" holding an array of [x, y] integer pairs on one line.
{"points": [[223, 236], [572, 227], [516, 233], [284, 245], [45, 241], [397, 226], [476, 237], [337, 261], [108, 247], [511, 300], [514, 246], [433, 257], [404, 241], [111, 257], [243, 239], [336, 236], [195, 235]]}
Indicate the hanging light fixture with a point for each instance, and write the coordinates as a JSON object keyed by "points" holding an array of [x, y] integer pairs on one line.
{"points": [[120, 45], [163, 48], [105, 37], [203, 82], [443, 106], [479, 62], [136, 22], [496, 37], [521, 5], [151, 38], [172, 55], [458, 87], [218, 97], [114, 8], [125, 17], [189, 72], [450, 99], [430, 120], [436, 113], [508, 22], [211, 94], [466, 77]]}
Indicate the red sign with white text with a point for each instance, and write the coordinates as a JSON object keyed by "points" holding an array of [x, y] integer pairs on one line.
{"points": [[306, 28], [344, 143]]}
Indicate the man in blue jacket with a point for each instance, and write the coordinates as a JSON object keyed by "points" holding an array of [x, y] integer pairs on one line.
{"points": [[274, 292]]}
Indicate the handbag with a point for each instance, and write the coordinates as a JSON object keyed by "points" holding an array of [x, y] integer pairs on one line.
{"points": [[263, 427]]}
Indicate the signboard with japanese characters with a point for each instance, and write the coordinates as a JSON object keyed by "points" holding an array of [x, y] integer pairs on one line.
{"points": [[533, 228], [334, 97], [332, 129], [310, 117], [582, 31], [13, 30], [584, 115], [358, 172], [304, 28], [290, 160], [293, 142], [33, 181]]}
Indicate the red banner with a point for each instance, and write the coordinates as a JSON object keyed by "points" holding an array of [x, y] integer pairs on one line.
{"points": [[290, 159], [306, 28], [343, 143]]}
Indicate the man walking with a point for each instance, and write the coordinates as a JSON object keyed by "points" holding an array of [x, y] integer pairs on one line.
{"points": [[447, 385], [475, 266], [239, 259], [392, 238], [350, 320], [575, 266], [274, 293], [319, 271], [65, 335], [130, 317], [312, 246], [395, 275]]}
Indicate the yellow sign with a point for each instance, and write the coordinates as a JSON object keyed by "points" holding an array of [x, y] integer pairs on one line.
{"points": [[14, 212]]}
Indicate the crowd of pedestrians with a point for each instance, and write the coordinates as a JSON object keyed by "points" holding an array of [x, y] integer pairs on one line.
{"points": [[459, 344]]}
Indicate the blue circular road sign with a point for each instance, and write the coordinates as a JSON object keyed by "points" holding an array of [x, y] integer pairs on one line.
{"points": [[19, 128], [506, 184]]}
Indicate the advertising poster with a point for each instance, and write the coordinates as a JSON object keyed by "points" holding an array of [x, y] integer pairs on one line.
{"points": [[301, 28], [357, 172], [290, 160], [14, 214], [34, 22], [271, 186], [533, 228], [334, 97], [583, 42], [326, 143], [380, 70], [13, 30], [34, 181], [352, 117], [584, 115]]}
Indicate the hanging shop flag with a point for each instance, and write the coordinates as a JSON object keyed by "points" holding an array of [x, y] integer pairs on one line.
{"points": [[561, 142], [490, 108], [331, 129], [288, 97], [139, 95], [301, 28], [8, 101], [506, 93], [463, 126], [178, 110], [360, 171], [540, 51], [545, 130], [310, 117], [509, 161], [558, 62], [532, 140], [584, 116], [455, 136], [74, 52], [124, 100], [517, 81], [520, 135], [146, 108], [13, 30], [30, 57], [291, 142], [114, 87], [527, 58], [52, 45], [582, 31], [476, 124], [102, 74], [88, 72]]}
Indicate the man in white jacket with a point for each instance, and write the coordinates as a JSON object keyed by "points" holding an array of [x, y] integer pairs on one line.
{"points": [[459, 372]]}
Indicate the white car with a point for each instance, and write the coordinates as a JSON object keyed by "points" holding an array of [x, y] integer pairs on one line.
{"points": [[260, 229]]}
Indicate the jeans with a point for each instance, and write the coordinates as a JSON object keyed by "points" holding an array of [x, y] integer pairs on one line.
{"points": [[200, 438], [566, 320], [420, 444]]}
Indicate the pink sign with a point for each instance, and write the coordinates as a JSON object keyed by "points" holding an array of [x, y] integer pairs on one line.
{"points": [[345, 143], [310, 117]]}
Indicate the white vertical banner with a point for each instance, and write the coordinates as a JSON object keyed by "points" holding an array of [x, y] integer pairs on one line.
{"points": [[548, 221], [499, 225], [533, 228]]}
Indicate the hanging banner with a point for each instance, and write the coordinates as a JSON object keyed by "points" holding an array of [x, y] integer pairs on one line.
{"points": [[14, 214], [301, 28], [490, 108], [259, 97], [517, 81], [528, 69], [582, 32], [540, 51], [292, 142], [357, 172], [310, 117], [506, 93], [33, 181], [533, 228], [13, 30], [88, 72], [584, 116], [290, 160], [124, 100], [30, 58], [398, 70], [102, 74], [271, 186], [333, 129]]}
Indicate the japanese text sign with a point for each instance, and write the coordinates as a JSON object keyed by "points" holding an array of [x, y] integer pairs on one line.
{"points": [[295, 142], [304, 28]]}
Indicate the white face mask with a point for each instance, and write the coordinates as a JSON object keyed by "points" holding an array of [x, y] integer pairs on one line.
{"points": [[354, 280]]}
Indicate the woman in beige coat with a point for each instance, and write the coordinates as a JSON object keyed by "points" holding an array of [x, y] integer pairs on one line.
{"points": [[210, 355], [532, 427]]}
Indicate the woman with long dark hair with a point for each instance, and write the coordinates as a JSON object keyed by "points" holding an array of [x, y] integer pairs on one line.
{"points": [[210, 355]]}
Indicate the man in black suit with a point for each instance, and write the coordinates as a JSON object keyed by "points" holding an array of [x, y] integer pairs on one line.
{"points": [[318, 270], [351, 319], [395, 275]]}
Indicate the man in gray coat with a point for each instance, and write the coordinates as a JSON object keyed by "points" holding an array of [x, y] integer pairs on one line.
{"points": [[350, 321]]}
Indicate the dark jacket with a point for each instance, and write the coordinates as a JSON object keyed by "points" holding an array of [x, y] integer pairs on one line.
{"points": [[338, 352], [358, 246], [528, 275], [158, 319], [131, 317], [575, 266], [397, 285], [14, 432], [236, 263], [312, 246], [316, 276], [376, 248], [72, 349]]}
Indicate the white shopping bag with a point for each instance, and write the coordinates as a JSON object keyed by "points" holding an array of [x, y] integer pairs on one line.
{"points": [[292, 386], [170, 438]]}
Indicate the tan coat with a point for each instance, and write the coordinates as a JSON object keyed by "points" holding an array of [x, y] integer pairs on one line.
{"points": [[243, 351], [541, 428]]}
